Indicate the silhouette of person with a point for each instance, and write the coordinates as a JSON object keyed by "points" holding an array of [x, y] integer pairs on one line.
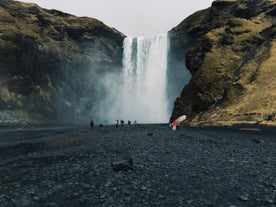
{"points": [[91, 124]]}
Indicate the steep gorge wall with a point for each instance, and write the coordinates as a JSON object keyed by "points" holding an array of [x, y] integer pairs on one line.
{"points": [[229, 49], [45, 59]]}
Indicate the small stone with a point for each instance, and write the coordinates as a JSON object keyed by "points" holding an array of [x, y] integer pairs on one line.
{"points": [[17, 185], [257, 141], [244, 197], [208, 203], [189, 201], [2, 196], [36, 198], [128, 198], [269, 200], [144, 188], [59, 186], [108, 184], [51, 204], [86, 186], [102, 196], [123, 164], [24, 202]]}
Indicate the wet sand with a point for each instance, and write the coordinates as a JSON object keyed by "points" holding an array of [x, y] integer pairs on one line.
{"points": [[71, 166]]}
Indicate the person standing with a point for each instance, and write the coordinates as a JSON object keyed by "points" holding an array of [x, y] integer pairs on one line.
{"points": [[91, 124], [117, 123], [174, 125]]}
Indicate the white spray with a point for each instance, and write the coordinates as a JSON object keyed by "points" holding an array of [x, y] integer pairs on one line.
{"points": [[143, 94]]}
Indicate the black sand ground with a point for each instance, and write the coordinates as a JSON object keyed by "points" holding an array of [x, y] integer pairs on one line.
{"points": [[188, 167]]}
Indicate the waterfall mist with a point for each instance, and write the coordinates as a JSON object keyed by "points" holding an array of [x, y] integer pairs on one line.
{"points": [[143, 89], [138, 91]]}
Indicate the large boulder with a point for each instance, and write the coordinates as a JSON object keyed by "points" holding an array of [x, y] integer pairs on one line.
{"points": [[46, 57], [230, 50]]}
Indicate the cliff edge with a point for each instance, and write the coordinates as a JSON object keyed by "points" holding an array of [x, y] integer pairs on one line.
{"points": [[45, 59], [230, 50]]}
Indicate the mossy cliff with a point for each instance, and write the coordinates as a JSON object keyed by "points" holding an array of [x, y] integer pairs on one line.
{"points": [[41, 50], [230, 50]]}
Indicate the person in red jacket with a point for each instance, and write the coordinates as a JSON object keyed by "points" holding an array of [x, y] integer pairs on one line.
{"points": [[174, 125]]}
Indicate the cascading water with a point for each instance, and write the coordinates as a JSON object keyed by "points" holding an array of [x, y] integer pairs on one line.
{"points": [[143, 96]]}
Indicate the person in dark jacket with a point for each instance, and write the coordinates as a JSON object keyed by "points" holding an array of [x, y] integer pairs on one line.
{"points": [[91, 124]]}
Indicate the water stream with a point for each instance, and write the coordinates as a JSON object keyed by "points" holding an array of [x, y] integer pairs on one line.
{"points": [[144, 95]]}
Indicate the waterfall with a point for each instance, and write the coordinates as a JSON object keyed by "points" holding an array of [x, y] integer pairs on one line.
{"points": [[143, 93], [144, 89]]}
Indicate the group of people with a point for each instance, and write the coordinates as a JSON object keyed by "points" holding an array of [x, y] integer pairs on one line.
{"points": [[92, 125], [122, 122]]}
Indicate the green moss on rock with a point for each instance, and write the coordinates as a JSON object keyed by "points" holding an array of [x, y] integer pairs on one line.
{"points": [[226, 60]]}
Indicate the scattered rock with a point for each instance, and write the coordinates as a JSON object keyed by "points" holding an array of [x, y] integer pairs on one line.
{"points": [[168, 170], [36, 198], [23, 202], [257, 141], [51, 204], [269, 200], [124, 164], [244, 197]]}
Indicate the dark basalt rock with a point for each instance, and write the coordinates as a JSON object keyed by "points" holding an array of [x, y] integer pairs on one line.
{"points": [[123, 164]]}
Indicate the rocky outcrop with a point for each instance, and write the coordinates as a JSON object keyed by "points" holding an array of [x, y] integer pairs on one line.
{"points": [[230, 50], [47, 57]]}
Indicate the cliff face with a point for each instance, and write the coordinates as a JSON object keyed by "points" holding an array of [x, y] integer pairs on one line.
{"points": [[47, 56], [230, 50]]}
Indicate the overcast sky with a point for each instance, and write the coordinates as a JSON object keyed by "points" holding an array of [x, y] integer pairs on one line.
{"points": [[131, 17]]}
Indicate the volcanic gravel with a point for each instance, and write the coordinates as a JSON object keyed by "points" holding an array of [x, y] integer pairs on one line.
{"points": [[71, 166]]}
